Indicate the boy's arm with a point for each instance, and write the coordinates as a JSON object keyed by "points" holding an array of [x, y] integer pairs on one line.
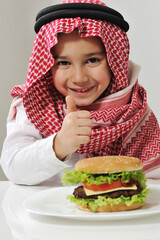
{"points": [[27, 158]]}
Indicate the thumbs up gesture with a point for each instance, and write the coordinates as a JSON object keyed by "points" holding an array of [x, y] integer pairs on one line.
{"points": [[71, 106], [76, 130]]}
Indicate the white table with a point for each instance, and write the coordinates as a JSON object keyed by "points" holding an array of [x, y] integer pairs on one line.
{"points": [[16, 223]]}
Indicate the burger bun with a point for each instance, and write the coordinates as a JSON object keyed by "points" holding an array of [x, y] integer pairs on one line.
{"points": [[113, 208], [109, 164]]}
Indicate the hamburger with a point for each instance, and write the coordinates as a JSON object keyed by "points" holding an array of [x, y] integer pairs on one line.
{"points": [[107, 184]]}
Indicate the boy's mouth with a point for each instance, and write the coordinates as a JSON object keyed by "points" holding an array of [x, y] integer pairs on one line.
{"points": [[81, 90]]}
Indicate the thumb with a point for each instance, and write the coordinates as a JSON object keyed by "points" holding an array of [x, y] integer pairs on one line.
{"points": [[71, 105]]}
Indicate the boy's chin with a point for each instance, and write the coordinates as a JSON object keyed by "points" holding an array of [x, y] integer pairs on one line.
{"points": [[83, 105]]}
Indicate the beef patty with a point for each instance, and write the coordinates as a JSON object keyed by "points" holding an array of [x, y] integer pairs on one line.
{"points": [[80, 193]]}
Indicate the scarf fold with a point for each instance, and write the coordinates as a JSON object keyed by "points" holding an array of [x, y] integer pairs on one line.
{"points": [[115, 116]]}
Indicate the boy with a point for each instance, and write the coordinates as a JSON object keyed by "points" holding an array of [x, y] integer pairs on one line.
{"points": [[81, 97]]}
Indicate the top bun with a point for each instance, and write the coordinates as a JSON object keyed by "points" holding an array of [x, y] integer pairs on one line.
{"points": [[109, 164]]}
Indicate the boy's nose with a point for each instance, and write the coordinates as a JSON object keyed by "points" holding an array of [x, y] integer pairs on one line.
{"points": [[79, 75]]}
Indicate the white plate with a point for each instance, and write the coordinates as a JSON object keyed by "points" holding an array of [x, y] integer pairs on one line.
{"points": [[53, 202]]}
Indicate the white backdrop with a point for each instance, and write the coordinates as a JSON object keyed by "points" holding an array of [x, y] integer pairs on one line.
{"points": [[17, 35]]}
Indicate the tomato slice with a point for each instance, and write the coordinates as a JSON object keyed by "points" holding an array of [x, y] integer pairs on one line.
{"points": [[106, 186]]}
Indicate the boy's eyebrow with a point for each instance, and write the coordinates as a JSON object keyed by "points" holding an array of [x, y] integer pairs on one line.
{"points": [[94, 53], [85, 55], [60, 57]]}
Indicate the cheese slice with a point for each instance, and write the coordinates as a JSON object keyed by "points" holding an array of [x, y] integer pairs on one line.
{"points": [[90, 192]]}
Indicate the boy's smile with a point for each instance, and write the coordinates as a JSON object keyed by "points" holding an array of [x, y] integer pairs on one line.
{"points": [[80, 67]]}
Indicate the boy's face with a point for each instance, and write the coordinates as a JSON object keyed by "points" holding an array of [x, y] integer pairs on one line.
{"points": [[80, 69]]}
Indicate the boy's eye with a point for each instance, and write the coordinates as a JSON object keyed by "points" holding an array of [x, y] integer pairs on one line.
{"points": [[93, 60], [63, 63]]}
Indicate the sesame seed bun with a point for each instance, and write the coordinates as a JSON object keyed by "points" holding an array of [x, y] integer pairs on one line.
{"points": [[109, 164], [113, 208]]}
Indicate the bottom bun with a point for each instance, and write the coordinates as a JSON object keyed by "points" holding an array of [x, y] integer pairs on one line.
{"points": [[113, 208]]}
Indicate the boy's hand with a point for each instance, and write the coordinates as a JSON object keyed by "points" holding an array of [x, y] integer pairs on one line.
{"points": [[76, 130]]}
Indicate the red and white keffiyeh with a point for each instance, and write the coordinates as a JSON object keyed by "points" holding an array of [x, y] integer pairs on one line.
{"points": [[123, 122]]}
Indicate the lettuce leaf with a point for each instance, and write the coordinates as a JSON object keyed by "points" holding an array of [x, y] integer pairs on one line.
{"points": [[102, 200], [74, 177]]}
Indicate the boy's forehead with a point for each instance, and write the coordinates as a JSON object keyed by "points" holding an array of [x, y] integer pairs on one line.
{"points": [[67, 41], [74, 37]]}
